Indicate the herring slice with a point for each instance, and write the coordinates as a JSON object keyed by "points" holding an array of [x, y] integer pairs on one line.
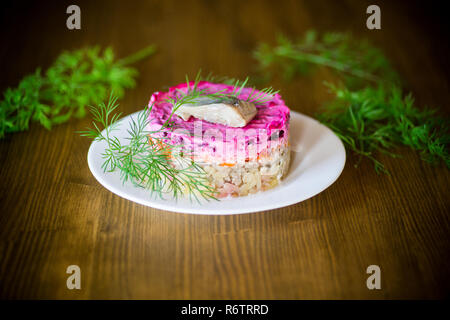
{"points": [[230, 112]]}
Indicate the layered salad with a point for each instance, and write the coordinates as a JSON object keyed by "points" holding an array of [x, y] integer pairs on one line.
{"points": [[240, 138]]}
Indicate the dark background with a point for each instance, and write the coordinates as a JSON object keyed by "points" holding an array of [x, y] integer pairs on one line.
{"points": [[192, 34], [53, 213]]}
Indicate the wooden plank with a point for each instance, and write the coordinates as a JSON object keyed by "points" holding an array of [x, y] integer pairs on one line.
{"points": [[53, 213]]}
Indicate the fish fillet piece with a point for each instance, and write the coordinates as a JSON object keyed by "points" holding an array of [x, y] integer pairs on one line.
{"points": [[230, 112]]}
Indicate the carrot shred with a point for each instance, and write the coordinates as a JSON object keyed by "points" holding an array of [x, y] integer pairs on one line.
{"points": [[225, 164]]}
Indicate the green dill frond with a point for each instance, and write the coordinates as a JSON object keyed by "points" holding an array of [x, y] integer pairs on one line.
{"points": [[370, 112], [75, 80], [378, 119], [145, 159], [265, 95], [357, 62]]}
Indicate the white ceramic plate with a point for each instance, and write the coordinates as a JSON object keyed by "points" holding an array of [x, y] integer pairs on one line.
{"points": [[318, 157]]}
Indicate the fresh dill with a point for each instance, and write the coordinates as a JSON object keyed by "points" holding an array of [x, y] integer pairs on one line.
{"points": [[355, 61], [146, 159], [377, 119], [150, 161], [75, 80], [258, 97], [370, 112]]}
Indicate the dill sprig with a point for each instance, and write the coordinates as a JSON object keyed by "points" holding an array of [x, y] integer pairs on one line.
{"points": [[370, 112], [75, 80], [355, 62], [261, 97], [377, 119], [147, 160]]}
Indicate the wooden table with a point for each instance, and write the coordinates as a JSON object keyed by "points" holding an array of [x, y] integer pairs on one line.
{"points": [[53, 213]]}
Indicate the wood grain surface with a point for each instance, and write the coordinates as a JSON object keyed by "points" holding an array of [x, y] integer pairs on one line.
{"points": [[53, 213]]}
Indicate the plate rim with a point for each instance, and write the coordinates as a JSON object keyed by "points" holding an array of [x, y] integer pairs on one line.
{"points": [[205, 211]]}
